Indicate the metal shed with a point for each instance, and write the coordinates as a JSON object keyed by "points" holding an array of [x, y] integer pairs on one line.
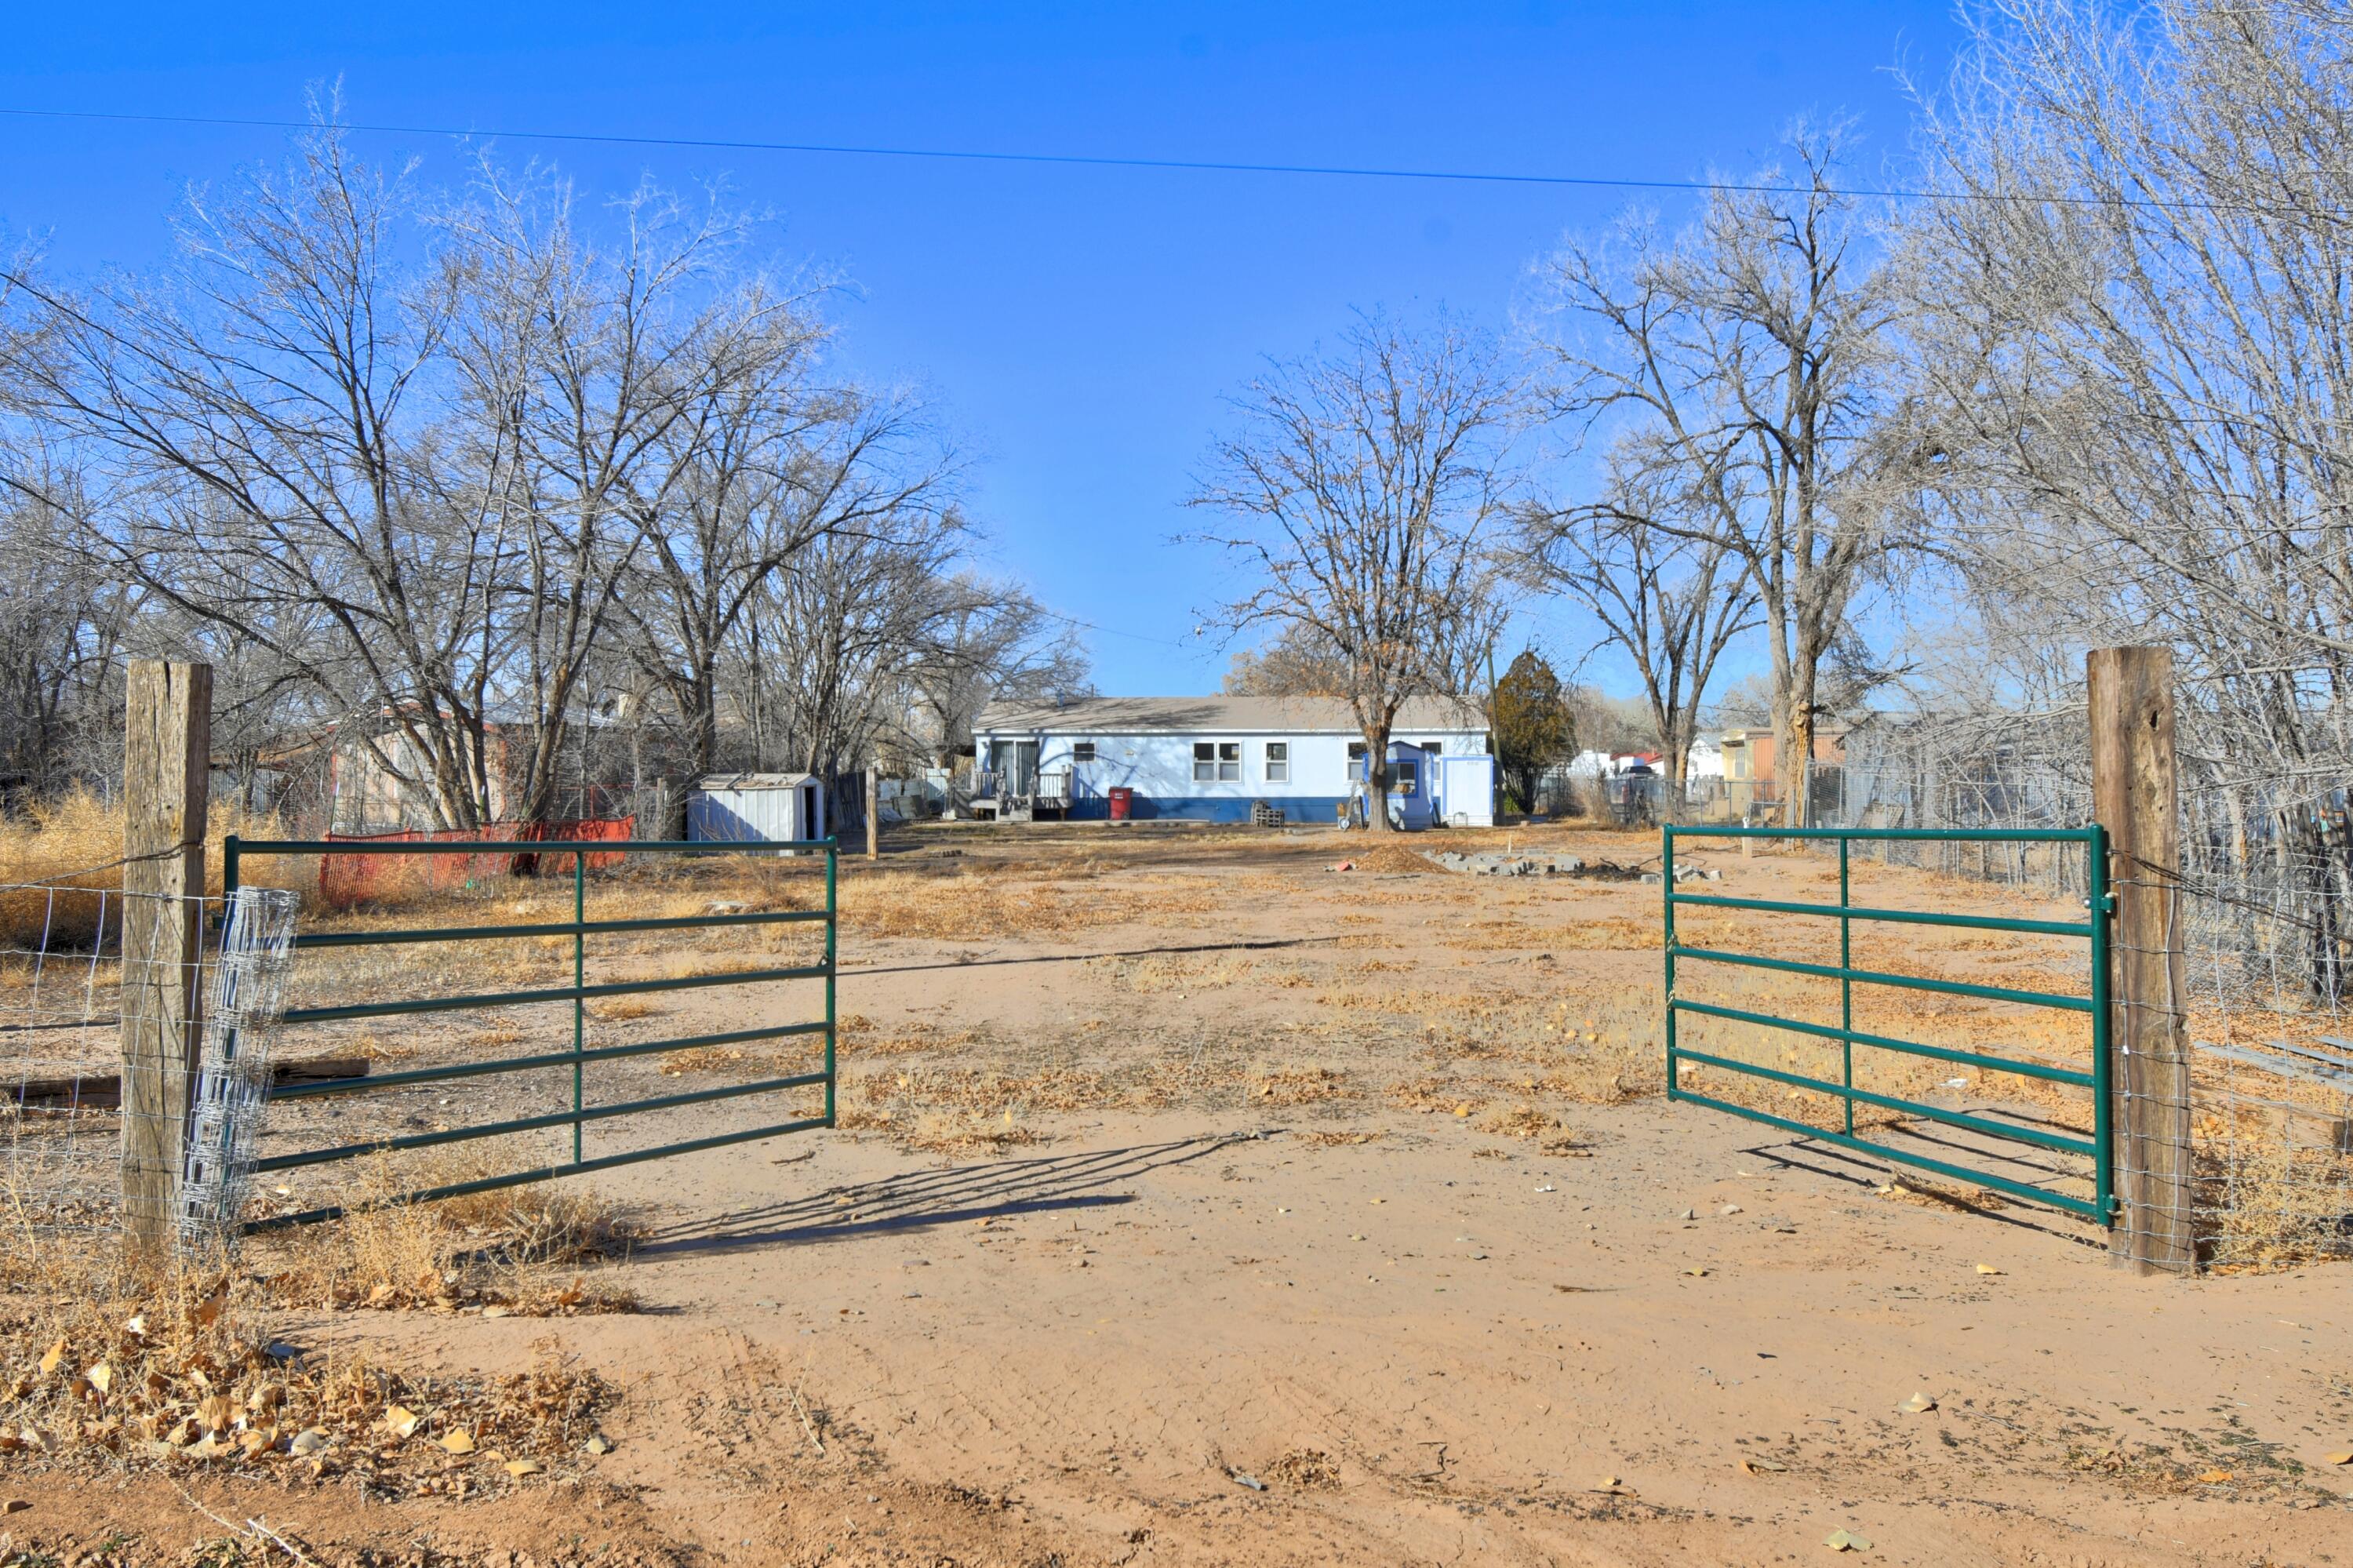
{"points": [[756, 807]]}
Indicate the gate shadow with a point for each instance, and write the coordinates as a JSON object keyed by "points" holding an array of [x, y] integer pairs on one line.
{"points": [[2020, 1162], [919, 1200]]}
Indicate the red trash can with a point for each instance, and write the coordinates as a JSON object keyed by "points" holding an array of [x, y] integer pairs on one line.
{"points": [[1122, 800]]}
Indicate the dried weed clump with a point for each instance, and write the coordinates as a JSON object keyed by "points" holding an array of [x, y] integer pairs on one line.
{"points": [[189, 1380], [1520, 1121], [118, 1363], [527, 1251], [1298, 1085]]}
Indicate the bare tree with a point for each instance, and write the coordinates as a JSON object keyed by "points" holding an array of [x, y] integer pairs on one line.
{"points": [[1295, 663], [2132, 348], [581, 361], [1666, 595], [1745, 361], [1358, 494], [770, 460], [986, 640], [270, 465]]}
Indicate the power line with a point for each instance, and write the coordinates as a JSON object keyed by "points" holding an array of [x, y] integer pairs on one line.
{"points": [[1110, 631], [1105, 161]]}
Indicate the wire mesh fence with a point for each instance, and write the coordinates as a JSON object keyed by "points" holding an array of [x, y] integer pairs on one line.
{"points": [[2259, 911], [61, 989], [63, 978]]}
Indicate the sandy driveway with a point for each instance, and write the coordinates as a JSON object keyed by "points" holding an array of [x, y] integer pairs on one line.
{"points": [[1199, 1256]]}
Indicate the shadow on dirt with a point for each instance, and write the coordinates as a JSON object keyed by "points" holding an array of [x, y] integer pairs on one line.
{"points": [[965, 962], [917, 1199]]}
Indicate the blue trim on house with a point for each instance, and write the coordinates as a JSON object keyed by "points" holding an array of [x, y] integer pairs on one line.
{"points": [[1323, 809]]}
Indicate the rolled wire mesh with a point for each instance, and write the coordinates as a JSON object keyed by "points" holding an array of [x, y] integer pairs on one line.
{"points": [[242, 1004]]}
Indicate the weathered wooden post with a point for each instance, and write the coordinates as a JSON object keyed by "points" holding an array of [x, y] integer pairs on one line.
{"points": [[166, 758], [874, 809], [2136, 796]]}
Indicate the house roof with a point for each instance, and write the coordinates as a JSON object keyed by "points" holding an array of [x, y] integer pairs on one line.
{"points": [[1202, 716], [752, 780]]}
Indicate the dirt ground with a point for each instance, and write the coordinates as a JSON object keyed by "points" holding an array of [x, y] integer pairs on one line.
{"points": [[1197, 1204]]}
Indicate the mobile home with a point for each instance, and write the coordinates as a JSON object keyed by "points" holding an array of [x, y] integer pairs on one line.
{"points": [[1213, 758]]}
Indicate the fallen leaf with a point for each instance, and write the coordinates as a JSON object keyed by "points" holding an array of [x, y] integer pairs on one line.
{"points": [[308, 1441], [215, 1411], [1696, 1273], [15, 1505], [2216, 1478], [2340, 1458], [1987, 1268], [1846, 1541], [101, 1377], [459, 1442], [400, 1421], [1758, 1466], [50, 1361], [1918, 1404], [519, 1468], [137, 1326], [599, 1444]]}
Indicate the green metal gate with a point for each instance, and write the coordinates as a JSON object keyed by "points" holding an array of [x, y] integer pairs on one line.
{"points": [[577, 1055], [2102, 1205]]}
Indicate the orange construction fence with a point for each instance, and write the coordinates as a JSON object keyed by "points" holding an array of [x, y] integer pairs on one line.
{"points": [[346, 880]]}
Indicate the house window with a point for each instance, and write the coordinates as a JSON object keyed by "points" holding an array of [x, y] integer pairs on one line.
{"points": [[1278, 762], [1405, 775], [1083, 751], [1215, 761]]}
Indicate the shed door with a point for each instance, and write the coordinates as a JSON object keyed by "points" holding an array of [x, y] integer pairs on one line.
{"points": [[811, 826]]}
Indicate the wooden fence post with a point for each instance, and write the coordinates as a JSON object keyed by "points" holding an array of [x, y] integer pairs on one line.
{"points": [[2136, 796], [166, 760], [874, 809]]}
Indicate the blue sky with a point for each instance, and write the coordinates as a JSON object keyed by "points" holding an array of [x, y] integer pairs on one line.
{"points": [[1079, 327]]}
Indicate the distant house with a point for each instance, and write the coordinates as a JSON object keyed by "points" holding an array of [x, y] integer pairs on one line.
{"points": [[1748, 765], [1210, 759]]}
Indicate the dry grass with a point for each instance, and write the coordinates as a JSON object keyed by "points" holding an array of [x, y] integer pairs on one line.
{"points": [[522, 1251], [116, 1362], [623, 1009], [1520, 1121], [1298, 1085], [184, 1372], [56, 858]]}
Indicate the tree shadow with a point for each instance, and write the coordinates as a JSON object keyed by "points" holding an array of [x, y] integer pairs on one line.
{"points": [[920, 1200]]}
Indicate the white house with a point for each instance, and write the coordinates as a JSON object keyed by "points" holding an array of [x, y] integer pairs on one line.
{"points": [[1209, 759]]}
